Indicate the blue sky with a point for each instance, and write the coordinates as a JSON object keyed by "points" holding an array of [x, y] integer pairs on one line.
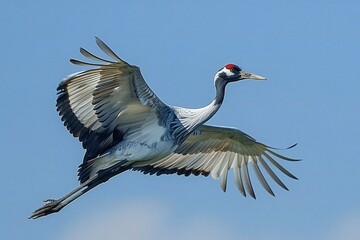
{"points": [[308, 50]]}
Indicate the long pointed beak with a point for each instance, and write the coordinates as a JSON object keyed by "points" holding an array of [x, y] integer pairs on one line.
{"points": [[246, 75]]}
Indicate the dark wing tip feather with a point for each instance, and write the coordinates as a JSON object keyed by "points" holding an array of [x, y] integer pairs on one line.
{"points": [[278, 166], [107, 50], [247, 181], [274, 148], [262, 179], [91, 56], [283, 157], [269, 149], [294, 145], [272, 174], [294, 177], [81, 63]]}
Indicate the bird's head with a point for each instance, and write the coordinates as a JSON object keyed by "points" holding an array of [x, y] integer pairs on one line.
{"points": [[232, 73]]}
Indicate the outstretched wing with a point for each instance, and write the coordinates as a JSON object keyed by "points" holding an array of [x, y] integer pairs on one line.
{"points": [[102, 106], [214, 150]]}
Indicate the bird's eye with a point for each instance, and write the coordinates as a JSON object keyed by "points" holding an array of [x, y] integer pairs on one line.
{"points": [[232, 69]]}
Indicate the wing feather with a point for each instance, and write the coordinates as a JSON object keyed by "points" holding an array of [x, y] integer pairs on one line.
{"points": [[238, 177], [246, 175], [271, 173], [107, 50], [82, 63], [91, 56], [262, 179], [215, 150], [276, 164], [104, 105]]}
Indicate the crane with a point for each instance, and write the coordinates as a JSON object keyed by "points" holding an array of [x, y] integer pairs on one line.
{"points": [[123, 125]]}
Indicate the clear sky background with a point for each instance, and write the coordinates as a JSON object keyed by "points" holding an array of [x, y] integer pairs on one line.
{"points": [[308, 50]]}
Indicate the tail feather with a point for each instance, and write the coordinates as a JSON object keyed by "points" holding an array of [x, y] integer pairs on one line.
{"points": [[104, 163]]}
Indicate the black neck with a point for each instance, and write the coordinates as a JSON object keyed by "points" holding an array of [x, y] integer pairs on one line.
{"points": [[220, 85]]}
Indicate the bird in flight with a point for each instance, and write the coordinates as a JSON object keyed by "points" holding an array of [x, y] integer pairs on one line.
{"points": [[123, 126]]}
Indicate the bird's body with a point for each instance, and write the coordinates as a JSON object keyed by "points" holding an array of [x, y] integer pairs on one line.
{"points": [[123, 126]]}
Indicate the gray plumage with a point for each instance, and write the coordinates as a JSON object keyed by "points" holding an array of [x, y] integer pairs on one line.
{"points": [[123, 126]]}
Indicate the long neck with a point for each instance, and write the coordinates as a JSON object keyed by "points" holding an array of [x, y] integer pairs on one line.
{"points": [[220, 85], [207, 112], [193, 118]]}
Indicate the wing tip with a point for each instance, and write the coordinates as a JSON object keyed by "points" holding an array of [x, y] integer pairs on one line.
{"points": [[106, 49]]}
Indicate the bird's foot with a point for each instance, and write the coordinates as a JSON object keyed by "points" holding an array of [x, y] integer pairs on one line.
{"points": [[51, 206]]}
